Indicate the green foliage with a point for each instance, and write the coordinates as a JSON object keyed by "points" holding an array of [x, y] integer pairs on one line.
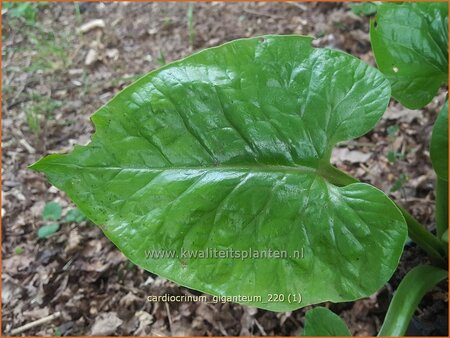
{"points": [[439, 158], [399, 182], [33, 122], [392, 131], [412, 288], [47, 230], [444, 236], [161, 59], [364, 8], [41, 107], [57, 332], [321, 322], [410, 45], [394, 156], [25, 10], [190, 24], [51, 52], [230, 148], [75, 216], [52, 211], [78, 15], [19, 250], [439, 144]]}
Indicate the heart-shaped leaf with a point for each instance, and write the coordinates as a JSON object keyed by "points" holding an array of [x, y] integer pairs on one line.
{"points": [[321, 322], [410, 45], [226, 154]]}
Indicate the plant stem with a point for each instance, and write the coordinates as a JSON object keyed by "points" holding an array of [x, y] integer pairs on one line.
{"points": [[441, 206], [427, 241], [433, 246], [411, 290], [336, 176]]}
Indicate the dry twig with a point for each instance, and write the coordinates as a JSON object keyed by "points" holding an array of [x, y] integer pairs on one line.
{"points": [[35, 323]]}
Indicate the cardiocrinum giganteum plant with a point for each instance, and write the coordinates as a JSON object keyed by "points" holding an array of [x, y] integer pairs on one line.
{"points": [[225, 155]]}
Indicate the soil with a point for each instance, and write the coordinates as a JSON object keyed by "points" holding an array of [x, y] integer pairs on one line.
{"points": [[55, 77]]}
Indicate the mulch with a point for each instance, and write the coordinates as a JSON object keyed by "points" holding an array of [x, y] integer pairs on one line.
{"points": [[54, 78]]}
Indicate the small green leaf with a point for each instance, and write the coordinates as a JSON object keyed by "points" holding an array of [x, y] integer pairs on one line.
{"points": [[322, 322], [410, 45], [229, 149], [75, 215], [19, 250], [392, 130], [393, 156], [26, 10], [161, 59], [445, 236], [47, 230], [398, 184], [439, 144], [57, 332], [52, 211], [364, 8]]}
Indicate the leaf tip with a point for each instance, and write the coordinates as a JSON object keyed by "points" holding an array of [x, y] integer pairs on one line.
{"points": [[36, 166], [42, 164]]}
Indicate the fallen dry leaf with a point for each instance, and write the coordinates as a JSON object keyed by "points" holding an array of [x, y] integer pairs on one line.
{"points": [[402, 114], [106, 324], [340, 155]]}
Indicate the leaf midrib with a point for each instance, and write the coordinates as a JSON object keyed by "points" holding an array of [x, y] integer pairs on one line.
{"points": [[245, 168]]}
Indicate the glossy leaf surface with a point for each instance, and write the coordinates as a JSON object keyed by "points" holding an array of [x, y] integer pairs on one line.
{"points": [[321, 322], [410, 45], [229, 149]]}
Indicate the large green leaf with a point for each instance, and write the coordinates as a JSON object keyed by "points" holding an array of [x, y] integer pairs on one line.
{"points": [[321, 322], [410, 44], [229, 149]]}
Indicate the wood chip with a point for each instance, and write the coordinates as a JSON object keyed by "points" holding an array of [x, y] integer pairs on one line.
{"points": [[91, 57], [97, 23]]}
